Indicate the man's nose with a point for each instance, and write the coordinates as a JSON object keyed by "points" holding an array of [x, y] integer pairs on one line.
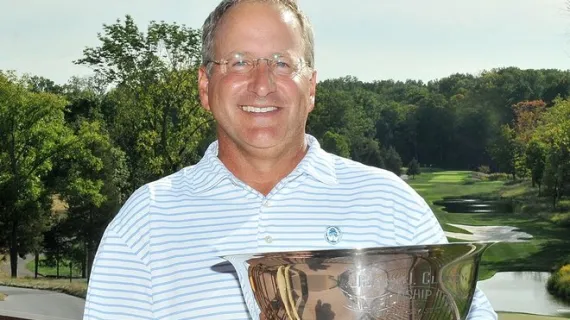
{"points": [[262, 79]]}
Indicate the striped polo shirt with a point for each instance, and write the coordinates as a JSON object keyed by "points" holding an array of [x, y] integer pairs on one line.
{"points": [[160, 257]]}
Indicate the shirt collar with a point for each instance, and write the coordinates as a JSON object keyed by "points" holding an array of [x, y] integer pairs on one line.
{"points": [[210, 171]]}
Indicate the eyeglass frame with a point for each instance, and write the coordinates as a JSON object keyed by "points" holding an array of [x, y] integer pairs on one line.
{"points": [[271, 63]]}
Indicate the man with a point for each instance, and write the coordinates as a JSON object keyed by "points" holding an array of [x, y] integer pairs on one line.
{"points": [[264, 185]]}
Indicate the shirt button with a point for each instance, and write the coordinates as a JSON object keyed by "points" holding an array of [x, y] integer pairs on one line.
{"points": [[266, 203], [268, 239]]}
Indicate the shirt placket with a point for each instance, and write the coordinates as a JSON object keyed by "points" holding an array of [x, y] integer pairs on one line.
{"points": [[264, 237]]}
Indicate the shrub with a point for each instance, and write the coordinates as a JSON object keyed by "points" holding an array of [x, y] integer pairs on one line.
{"points": [[478, 176], [498, 177], [559, 283], [413, 168], [561, 219], [484, 169], [393, 161]]}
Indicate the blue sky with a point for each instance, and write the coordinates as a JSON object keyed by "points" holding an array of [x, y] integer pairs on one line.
{"points": [[368, 39]]}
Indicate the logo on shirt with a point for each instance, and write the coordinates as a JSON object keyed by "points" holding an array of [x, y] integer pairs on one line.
{"points": [[333, 235]]}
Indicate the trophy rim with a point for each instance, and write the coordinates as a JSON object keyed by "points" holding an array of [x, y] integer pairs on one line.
{"points": [[347, 251]]}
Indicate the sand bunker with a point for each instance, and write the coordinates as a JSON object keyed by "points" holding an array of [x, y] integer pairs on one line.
{"points": [[489, 233]]}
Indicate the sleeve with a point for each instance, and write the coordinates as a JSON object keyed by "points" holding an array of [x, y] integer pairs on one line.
{"points": [[429, 231], [119, 285]]}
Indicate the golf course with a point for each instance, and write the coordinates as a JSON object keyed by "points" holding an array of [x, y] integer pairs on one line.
{"points": [[471, 206]]}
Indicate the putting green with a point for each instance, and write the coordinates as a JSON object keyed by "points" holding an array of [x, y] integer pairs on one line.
{"points": [[448, 176], [448, 179], [447, 173]]}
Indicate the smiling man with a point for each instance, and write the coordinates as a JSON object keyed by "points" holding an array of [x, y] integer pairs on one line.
{"points": [[260, 87], [263, 185]]}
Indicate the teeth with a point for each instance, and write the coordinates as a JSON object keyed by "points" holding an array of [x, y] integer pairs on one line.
{"points": [[256, 109]]}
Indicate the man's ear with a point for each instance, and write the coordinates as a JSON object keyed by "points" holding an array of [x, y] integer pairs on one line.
{"points": [[203, 82], [312, 90]]}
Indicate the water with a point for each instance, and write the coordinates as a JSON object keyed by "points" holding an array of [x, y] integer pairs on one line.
{"points": [[475, 205], [523, 292]]}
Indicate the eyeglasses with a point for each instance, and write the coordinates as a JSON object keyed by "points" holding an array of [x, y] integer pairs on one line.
{"points": [[239, 63]]}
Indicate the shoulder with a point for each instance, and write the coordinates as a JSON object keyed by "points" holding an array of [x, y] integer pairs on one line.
{"points": [[356, 175], [349, 170], [134, 213]]}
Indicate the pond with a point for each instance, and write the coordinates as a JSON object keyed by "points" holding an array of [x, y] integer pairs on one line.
{"points": [[474, 205], [523, 292]]}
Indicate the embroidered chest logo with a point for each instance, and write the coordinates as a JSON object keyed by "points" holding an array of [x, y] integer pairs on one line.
{"points": [[333, 235]]}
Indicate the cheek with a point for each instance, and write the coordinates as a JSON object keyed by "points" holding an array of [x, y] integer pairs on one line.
{"points": [[224, 91]]}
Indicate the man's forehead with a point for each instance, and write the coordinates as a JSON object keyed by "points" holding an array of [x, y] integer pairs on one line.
{"points": [[286, 15], [245, 29]]}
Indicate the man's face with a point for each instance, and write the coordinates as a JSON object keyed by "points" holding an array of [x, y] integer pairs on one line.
{"points": [[258, 110]]}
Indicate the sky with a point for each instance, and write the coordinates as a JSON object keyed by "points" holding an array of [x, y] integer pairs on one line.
{"points": [[367, 39]]}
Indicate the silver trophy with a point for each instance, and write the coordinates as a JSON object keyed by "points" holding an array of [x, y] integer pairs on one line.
{"points": [[427, 282]]}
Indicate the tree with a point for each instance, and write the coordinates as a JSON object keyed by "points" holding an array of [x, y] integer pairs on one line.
{"points": [[556, 173], [393, 161], [336, 143], [413, 168], [554, 134], [370, 153], [93, 189], [434, 131], [527, 115], [503, 150], [32, 134], [154, 111], [535, 161]]}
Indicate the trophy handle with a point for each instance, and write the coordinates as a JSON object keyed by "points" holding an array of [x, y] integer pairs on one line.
{"points": [[284, 285]]}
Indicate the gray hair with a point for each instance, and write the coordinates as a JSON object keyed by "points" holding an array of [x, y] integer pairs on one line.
{"points": [[211, 23]]}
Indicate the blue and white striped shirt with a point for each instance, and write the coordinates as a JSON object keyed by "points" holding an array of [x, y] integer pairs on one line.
{"points": [[160, 256]]}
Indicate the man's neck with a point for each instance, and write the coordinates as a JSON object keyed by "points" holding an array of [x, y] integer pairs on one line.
{"points": [[259, 171]]}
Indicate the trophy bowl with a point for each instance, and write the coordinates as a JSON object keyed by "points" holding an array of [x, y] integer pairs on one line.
{"points": [[423, 282]]}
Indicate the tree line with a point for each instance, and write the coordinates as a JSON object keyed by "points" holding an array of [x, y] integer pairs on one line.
{"points": [[70, 154]]}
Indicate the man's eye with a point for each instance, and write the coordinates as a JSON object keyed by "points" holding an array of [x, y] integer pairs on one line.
{"points": [[240, 63], [283, 64]]}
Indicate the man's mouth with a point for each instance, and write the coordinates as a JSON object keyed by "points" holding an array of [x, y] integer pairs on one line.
{"points": [[258, 109]]}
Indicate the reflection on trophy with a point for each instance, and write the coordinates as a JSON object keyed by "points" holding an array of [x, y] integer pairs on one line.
{"points": [[430, 282]]}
